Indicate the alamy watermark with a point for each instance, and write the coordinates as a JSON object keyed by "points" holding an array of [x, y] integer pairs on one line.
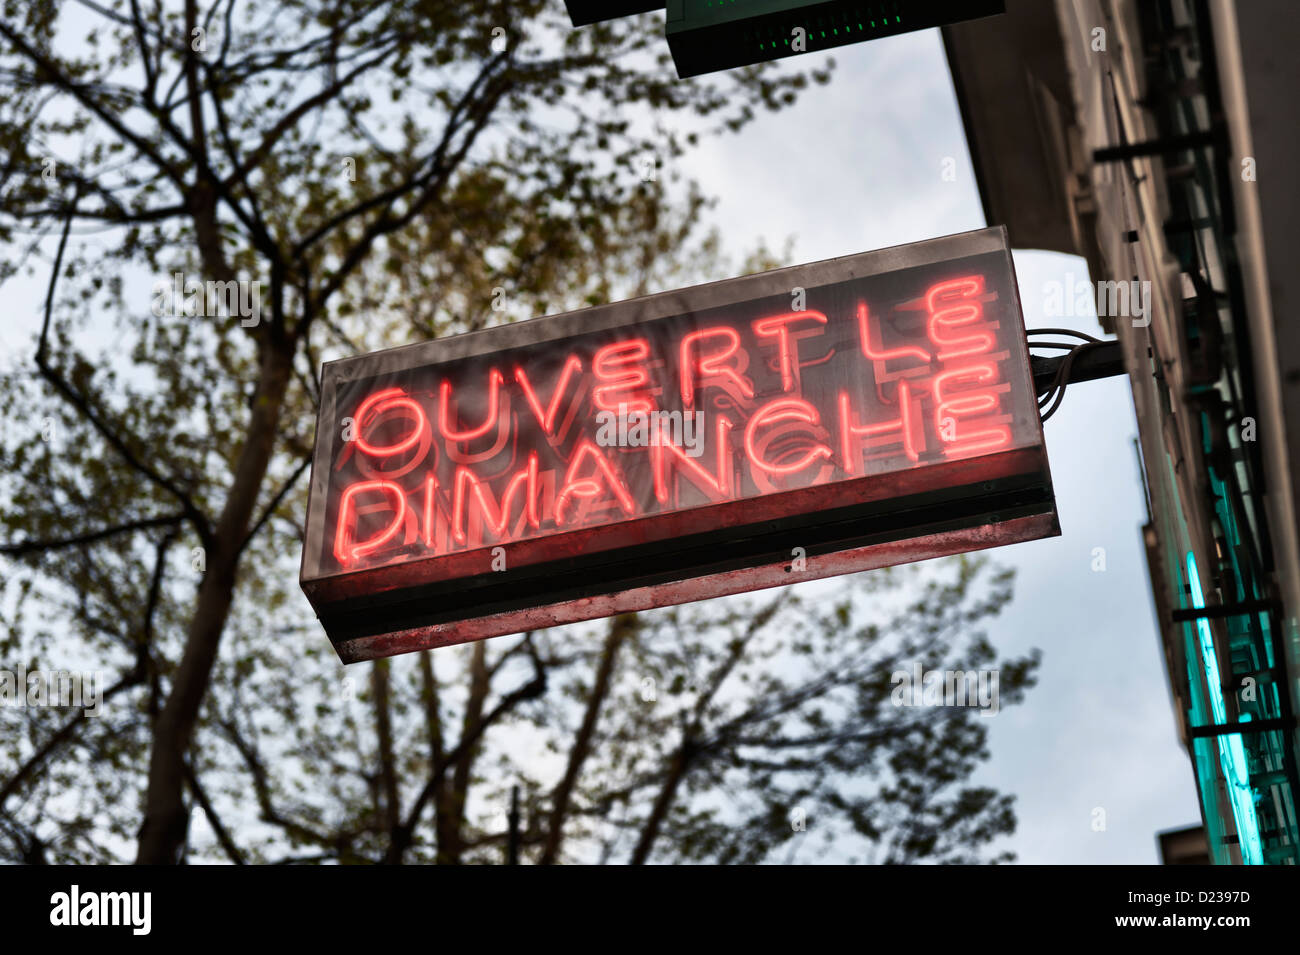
{"points": [[133, 910], [59, 688], [194, 299], [644, 429], [1078, 299], [919, 687]]}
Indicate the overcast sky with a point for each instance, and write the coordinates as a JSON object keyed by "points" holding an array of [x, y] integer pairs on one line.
{"points": [[857, 165]]}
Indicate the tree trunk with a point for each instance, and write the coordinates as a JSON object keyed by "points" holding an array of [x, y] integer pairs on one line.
{"points": [[663, 802], [620, 628], [449, 805], [387, 762], [162, 834]]}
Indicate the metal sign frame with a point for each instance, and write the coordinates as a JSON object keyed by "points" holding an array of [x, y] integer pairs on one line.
{"points": [[844, 526]]}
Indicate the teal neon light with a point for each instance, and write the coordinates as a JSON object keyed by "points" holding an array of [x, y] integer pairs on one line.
{"points": [[1232, 751]]}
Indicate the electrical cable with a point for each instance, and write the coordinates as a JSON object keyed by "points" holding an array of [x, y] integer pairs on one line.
{"points": [[1061, 331], [1051, 399], [1062, 378], [1046, 396]]}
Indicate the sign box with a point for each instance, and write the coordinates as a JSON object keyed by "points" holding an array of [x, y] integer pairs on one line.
{"points": [[709, 35], [795, 424]]}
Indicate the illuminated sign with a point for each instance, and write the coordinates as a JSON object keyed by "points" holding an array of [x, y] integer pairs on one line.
{"points": [[785, 426]]}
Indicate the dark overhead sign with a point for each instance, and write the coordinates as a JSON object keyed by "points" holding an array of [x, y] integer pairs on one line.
{"points": [[811, 421], [709, 35], [583, 12]]}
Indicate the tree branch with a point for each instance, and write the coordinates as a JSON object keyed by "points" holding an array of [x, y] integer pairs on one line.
{"points": [[620, 629], [223, 836], [31, 546]]}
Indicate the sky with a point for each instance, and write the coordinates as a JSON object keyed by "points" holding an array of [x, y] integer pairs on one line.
{"points": [[859, 165]]}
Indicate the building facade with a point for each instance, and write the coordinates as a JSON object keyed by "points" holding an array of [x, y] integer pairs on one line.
{"points": [[1153, 138]]}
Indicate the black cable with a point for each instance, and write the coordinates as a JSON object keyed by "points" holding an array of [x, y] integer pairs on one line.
{"points": [[1056, 384], [1044, 415], [1059, 383], [1063, 377], [1056, 391], [1061, 331]]}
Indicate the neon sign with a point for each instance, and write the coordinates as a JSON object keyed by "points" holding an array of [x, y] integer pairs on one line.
{"points": [[790, 425]]}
